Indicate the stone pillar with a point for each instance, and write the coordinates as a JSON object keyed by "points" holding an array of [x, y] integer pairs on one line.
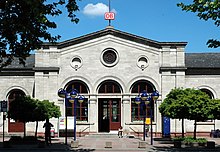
{"points": [[93, 113], [126, 111]]}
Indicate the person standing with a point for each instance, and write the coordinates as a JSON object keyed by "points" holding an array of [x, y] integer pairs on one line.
{"points": [[47, 126], [120, 132]]}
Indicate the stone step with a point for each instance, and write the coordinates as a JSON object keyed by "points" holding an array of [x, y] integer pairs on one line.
{"points": [[102, 135]]}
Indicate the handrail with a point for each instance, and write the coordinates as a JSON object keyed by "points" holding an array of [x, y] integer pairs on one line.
{"points": [[134, 131], [83, 131]]}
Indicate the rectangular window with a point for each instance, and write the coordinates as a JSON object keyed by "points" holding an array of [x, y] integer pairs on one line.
{"points": [[137, 111], [81, 110]]}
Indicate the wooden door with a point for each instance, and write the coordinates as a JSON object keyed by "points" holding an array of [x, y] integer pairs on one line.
{"points": [[109, 114]]}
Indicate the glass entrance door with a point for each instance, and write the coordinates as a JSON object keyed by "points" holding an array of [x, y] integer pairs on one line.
{"points": [[109, 114]]}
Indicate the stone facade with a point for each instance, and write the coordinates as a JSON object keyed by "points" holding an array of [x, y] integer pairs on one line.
{"points": [[163, 65]]}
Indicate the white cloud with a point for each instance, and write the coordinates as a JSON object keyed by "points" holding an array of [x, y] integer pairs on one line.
{"points": [[98, 9]]}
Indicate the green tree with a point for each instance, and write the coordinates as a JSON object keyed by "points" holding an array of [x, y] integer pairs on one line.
{"points": [[206, 10], [174, 106], [215, 109], [199, 105], [45, 110], [189, 104], [21, 109], [24, 24], [27, 109]]}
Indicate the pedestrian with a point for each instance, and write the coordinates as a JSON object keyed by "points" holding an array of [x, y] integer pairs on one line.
{"points": [[120, 132], [147, 130], [47, 126]]}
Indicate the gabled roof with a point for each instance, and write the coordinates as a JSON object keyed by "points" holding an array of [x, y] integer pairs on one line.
{"points": [[111, 31]]}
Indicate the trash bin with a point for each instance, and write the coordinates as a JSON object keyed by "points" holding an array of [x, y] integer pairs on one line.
{"points": [[52, 132]]}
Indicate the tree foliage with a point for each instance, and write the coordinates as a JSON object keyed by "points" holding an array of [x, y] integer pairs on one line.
{"points": [[21, 109], [24, 25], [189, 104], [173, 106], [27, 109], [206, 10]]}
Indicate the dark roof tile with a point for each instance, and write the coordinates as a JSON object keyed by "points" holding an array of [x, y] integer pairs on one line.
{"points": [[202, 60]]}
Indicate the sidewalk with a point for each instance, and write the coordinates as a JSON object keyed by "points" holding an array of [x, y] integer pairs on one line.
{"points": [[90, 144]]}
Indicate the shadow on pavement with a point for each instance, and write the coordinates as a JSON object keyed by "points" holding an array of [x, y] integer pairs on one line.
{"points": [[172, 149], [85, 150]]}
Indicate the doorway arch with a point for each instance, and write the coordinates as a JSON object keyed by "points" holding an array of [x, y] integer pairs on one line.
{"points": [[15, 126], [109, 106]]}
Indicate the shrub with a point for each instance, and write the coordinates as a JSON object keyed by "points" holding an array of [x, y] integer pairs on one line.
{"points": [[15, 138], [29, 138], [190, 139]]}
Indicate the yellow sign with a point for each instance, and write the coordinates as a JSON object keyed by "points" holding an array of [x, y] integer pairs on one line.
{"points": [[147, 121]]}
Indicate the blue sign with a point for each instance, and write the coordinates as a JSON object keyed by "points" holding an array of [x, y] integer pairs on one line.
{"points": [[166, 127]]}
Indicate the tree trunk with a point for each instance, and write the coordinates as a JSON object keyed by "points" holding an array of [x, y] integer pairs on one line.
{"points": [[36, 129], [182, 128], [24, 129], [194, 134]]}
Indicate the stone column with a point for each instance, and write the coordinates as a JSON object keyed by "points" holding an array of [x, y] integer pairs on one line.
{"points": [[126, 111], [93, 113]]}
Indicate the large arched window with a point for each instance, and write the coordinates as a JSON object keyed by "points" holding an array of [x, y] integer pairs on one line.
{"points": [[110, 87], [208, 92], [136, 110], [82, 108], [211, 96], [15, 126], [13, 94]]}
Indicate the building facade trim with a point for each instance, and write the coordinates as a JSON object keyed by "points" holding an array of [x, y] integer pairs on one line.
{"points": [[117, 33]]}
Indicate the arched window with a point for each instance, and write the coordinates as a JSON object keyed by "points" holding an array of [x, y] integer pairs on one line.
{"points": [[82, 108], [137, 112], [109, 87], [13, 94], [141, 85], [15, 126], [208, 92]]}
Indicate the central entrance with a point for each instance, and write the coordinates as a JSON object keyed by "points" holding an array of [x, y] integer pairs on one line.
{"points": [[109, 112]]}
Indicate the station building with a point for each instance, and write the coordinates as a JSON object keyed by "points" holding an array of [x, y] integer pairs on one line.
{"points": [[110, 68]]}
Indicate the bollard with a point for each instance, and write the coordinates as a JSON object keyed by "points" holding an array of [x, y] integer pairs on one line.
{"points": [[74, 144], [108, 144], [142, 144]]}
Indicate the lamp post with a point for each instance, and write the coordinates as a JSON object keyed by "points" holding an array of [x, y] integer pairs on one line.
{"points": [[143, 99], [72, 97]]}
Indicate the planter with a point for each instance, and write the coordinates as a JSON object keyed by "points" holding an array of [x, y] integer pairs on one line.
{"points": [[6, 144], [210, 144], [202, 144], [41, 144], [177, 144], [194, 144]]}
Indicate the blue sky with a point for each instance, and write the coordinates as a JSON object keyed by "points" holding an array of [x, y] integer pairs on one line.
{"points": [[159, 20]]}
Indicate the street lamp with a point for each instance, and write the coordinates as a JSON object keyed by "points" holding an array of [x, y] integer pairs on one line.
{"points": [[143, 99], [72, 97]]}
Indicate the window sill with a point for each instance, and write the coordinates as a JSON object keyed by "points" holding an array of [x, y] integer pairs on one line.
{"points": [[137, 123], [84, 123]]}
